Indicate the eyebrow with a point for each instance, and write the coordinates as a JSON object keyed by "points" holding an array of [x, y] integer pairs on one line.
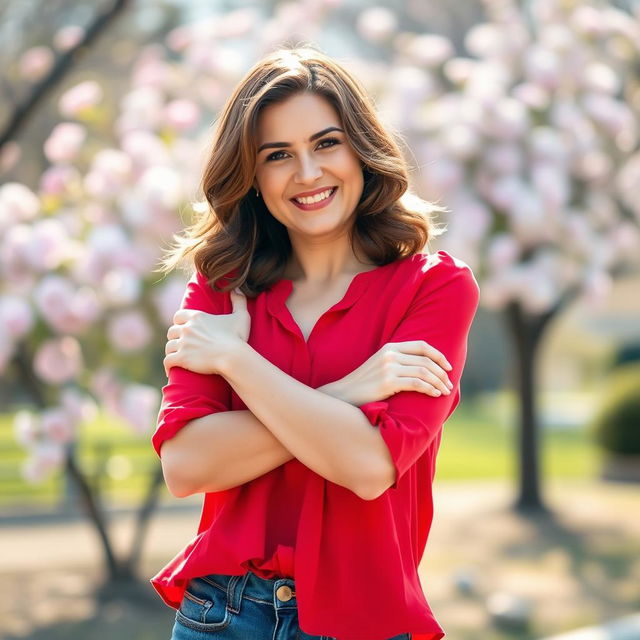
{"points": [[278, 145]]}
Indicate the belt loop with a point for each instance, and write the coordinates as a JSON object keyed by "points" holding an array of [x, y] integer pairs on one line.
{"points": [[235, 589]]}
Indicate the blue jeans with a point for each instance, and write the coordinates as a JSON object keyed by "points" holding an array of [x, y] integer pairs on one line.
{"points": [[241, 608]]}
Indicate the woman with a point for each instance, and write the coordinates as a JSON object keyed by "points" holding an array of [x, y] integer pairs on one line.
{"points": [[307, 370]]}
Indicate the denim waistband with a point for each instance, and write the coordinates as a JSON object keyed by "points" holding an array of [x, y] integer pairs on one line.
{"points": [[253, 586]]}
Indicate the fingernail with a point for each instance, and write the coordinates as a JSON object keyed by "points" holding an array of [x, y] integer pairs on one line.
{"points": [[450, 384], [449, 366], [438, 392]]}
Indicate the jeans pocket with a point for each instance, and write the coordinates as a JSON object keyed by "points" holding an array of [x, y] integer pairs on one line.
{"points": [[204, 607]]}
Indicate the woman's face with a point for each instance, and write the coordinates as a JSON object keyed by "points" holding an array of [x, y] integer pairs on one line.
{"points": [[293, 160]]}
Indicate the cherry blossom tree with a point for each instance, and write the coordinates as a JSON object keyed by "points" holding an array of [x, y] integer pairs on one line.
{"points": [[531, 141]]}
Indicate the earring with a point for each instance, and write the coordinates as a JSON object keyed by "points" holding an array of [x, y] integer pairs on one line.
{"points": [[257, 193]]}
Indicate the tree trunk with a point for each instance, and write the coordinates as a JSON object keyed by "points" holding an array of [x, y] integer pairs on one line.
{"points": [[525, 342]]}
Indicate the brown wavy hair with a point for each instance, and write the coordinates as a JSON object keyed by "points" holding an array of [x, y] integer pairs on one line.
{"points": [[236, 238]]}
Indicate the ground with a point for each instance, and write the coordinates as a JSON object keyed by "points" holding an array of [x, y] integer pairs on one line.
{"points": [[579, 566]]}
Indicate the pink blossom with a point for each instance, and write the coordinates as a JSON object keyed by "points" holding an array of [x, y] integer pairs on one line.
{"points": [[503, 251], [586, 20], [36, 62], [14, 257], [68, 36], [182, 114], [107, 387], [16, 317], [78, 406], [162, 186], [60, 179], [552, 184], [179, 38], [64, 142], [150, 72], [429, 49], [17, 204], [121, 287], [539, 291], [508, 120], [49, 244], [129, 331], [600, 78], [139, 405], [548, 145], [64, 308], [532, 95], [57, 425], [58, 360], [459, 70], [45, 458], [597, 286], [141, 108], [503, 158], [167, 298], [377, 24], [612, 114], [461, 141], [625, 241], [26, 427], [79, 98], [110, 170], [144, 149], [542, 67], [506, 191], [595, 167], [240, 22], [486, 40]]}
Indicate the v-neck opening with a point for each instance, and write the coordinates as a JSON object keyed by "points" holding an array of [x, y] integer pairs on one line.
{"points": [[282, 289]]}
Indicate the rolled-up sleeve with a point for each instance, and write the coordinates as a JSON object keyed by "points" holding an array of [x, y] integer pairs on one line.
{"points": [[189, 395], [441, 314]]}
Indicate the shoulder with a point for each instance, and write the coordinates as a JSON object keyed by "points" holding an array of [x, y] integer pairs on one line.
{"points": [[201, 295], [441, 270]]}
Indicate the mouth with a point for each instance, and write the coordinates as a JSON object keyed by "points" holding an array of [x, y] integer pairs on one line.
{"points": [[312, 206]]}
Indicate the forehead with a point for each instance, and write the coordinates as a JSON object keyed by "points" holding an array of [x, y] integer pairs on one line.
{"points": [[296, 117]]}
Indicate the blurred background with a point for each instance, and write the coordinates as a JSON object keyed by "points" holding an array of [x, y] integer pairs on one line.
{"points": [[522, 118]]}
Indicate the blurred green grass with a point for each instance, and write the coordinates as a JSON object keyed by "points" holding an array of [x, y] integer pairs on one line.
{"points": [[479, 441]]}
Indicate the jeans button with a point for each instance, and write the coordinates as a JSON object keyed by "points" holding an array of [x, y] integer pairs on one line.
{"points": [[285, 593]]}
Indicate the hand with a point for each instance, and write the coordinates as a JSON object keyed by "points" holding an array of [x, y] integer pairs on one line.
{"points": [[200, 341], [398, 366]]}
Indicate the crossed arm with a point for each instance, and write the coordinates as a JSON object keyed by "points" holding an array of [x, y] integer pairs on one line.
{"points": [[220, 449]]}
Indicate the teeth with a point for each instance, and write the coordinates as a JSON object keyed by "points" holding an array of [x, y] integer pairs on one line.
{"points": [[317, 198]]}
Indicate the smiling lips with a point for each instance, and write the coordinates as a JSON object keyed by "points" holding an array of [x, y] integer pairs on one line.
{"points": [[317, 201]]}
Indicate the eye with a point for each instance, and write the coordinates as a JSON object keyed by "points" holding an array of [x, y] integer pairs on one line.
{"points": [[332, 141], [274, 156]]}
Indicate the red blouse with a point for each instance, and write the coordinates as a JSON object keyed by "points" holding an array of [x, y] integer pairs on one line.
{"points": [[354, 561]]}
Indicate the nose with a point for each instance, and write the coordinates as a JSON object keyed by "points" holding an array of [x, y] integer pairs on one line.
{"points": [[309, 170]]}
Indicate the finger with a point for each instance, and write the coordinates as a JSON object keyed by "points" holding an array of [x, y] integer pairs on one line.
{"points": [[425, 374], [171, 346], [182, 315], [238, 300], [425, 361], [167, 365], [418, 384], [173, 332], [422, 347]]}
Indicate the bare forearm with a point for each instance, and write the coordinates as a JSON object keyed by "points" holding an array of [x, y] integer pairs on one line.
{"points": [[220, 451], [224, 450], [330, 436]]}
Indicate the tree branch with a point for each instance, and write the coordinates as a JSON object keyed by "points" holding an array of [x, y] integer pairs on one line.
{"points": [[61, 68]]}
